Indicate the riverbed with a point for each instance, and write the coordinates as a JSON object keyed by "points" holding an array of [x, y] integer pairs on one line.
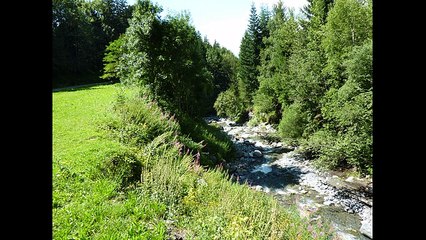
{"points": [[271, 166]]}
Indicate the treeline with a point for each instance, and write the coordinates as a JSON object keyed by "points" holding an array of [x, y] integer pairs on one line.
{"points": [[80, 32], [311, 76], [167, 56]]}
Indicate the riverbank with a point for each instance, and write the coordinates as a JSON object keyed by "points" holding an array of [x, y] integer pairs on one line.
{"points": [[267, 165]]}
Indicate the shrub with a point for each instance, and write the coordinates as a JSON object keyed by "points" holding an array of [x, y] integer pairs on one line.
{"points": [[346, 140], [293, 122], [266, 107], [215, 145], [138, 119], [123, 166], [228, 104]]}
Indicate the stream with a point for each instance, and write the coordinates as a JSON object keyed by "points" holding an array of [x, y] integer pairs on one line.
{"points": [[277, 169]]}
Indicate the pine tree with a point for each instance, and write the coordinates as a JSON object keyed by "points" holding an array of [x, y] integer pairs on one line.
{"points": [[250, 59], [264, 18]]}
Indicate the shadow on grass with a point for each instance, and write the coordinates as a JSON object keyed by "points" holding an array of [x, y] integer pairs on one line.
{"points": [[81, 87]]}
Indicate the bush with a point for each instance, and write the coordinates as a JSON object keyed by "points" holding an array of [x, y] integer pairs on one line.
{"points": [[293, 122], [138, 120], [266, 107], [123, 166], [342, 150], [346, 140], [228, 104], [216, 146]]}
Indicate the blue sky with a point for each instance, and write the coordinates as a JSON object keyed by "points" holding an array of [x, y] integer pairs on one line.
{"points": [[222, 20]]}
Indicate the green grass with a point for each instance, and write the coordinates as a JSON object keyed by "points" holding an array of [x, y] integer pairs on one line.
{"points": [[120, 172], [86, 204]]}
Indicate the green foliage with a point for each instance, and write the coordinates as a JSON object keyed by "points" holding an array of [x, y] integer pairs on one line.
{"points": [[122, 166], [266, 107], [111, 60], [167, 56], [216, 149], [264, 17], [349, 24], [347, 114], [139, 120], [80, 32], [359, 66], [275, 84], [247, 73], [223, 66], [316, 81], [166, 177], [228, 104], [250, 49], [293, 122]]}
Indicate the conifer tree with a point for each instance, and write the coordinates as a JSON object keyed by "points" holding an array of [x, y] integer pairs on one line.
{"points": [[250, 59]]}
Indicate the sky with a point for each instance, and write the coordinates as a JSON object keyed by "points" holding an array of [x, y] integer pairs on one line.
{"points": [[222, 20]]}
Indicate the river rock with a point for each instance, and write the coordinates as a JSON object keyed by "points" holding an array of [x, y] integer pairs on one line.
{"points": [[350, 179], [280, 191], [291, 191], [366, 223], [251, 141], [257, 153], [266, 190]]}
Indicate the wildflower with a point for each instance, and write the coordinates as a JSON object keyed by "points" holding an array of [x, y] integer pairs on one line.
{"points": [[197, 158]]}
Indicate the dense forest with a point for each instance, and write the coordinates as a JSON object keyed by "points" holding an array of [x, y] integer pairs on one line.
{"points": [[81, 30], [312, 77]]}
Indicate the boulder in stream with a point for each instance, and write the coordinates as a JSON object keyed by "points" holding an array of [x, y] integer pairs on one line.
{"points": [[257, 153]]}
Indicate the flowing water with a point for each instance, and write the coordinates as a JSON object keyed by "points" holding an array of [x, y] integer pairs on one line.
{"points": [[272, 167]]}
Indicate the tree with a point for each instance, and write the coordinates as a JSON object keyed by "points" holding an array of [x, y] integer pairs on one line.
{"points": [[349, 24], [81, 31], [308, 81], [222, 64], [71, 37], [250, 59], [264, 18], [348, 116], [113, 55], [167, 57], [275, 84]]}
